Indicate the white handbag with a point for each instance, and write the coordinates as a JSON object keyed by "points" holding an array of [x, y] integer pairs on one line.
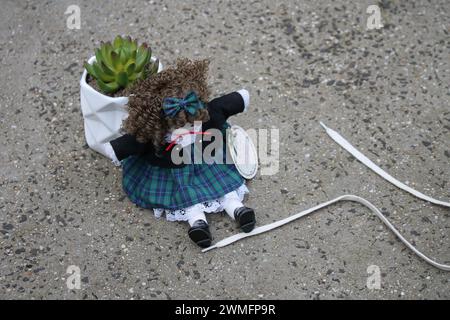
{"points": [[242, 151]]}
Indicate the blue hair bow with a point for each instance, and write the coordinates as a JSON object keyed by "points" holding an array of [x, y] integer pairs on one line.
{"points": [[190, 104]]}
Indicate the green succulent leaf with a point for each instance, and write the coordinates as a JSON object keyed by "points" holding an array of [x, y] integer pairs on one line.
{"points": [[105, 51], [141, 50], [120, 63], [141, 60], [115, 61], [101, 74], [135, 76], [122, 79], [131, 68], [123, 57], [118, 41], [90, 70], [110, 87], [133, 45], [98, 56], [106, 69]]}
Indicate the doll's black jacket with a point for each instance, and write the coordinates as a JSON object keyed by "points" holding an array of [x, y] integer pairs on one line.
{"points": [[219, 109]]}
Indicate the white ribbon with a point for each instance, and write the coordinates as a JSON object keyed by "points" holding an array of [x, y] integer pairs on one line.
{"points": [[341, 141], [358, 155]]}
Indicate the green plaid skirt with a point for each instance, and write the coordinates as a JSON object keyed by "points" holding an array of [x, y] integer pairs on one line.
{"points": [[156, 187]]}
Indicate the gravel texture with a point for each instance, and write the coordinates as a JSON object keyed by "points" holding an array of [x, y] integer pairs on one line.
{"points": [[386, 91]]}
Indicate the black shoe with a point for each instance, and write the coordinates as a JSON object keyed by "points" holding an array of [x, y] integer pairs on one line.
{"points": [[245, 218], [199, 233]]}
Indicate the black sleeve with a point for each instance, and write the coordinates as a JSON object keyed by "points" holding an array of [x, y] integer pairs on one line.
{"points": [[229, 104], [127, 145]]}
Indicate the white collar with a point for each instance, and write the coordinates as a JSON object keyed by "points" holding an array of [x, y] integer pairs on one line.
{"points": [[185, 139]]}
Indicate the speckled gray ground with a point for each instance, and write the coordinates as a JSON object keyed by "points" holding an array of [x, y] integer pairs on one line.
{"points": [[385, 90]]}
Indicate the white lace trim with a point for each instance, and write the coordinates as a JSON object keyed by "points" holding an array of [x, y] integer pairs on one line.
{"points": [[212, 206]]}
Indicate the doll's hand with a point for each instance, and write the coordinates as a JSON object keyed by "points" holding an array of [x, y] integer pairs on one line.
{"points": [[246, 96], [107, 150], [230, 104]]}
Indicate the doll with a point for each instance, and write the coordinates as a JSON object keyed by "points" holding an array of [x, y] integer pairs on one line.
{"points": [[159, 105]]}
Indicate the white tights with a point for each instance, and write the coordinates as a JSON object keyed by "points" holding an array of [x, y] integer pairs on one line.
{"points": [[231, 203]]}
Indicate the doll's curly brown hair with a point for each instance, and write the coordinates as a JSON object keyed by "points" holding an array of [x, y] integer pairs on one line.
{"points": [[146, 120]]}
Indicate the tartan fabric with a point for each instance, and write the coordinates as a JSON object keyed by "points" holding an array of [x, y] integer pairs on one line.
{"points": [[176, 188], [191, 103]]}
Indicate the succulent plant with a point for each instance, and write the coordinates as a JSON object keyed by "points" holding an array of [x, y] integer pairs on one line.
{"points": [[120, 63]]}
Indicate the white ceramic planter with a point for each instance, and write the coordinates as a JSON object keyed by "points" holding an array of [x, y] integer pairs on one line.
{"points": [[103, 115]]}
